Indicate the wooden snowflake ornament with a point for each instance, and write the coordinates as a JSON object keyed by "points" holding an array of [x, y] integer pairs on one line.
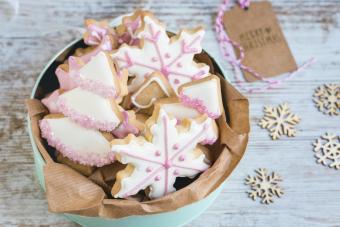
{"points": [[173, 57], [157, 162], [327, 150], [327, 99], [279, 121], [264, 186]]}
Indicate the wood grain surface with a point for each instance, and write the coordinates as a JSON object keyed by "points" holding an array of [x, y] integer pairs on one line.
{"points": [[312, 191]]}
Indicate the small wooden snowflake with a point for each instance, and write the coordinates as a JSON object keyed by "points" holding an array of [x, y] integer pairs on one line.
{"points": [[327, 99], [327, 150], [264, 186], [279, 121]]}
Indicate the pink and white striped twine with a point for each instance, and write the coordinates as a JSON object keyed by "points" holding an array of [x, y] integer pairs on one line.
{"points": [[225, 41]]}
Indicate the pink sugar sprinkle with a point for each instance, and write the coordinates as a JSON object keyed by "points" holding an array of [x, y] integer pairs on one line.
{"points": [[78, 157], [83, 120], [198, 105], [96, 87]]}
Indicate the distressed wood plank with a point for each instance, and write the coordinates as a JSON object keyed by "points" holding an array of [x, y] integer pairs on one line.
{"points": [[312, 29]]}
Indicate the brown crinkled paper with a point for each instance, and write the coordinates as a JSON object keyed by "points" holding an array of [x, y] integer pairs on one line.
{"points": [[68, 191]]}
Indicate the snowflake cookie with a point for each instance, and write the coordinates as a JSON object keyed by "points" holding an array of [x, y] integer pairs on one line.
{"points": [[327, 99], [81, 145], [264, 186], [279, 121], [168, 152], [327, 150], [173, 57]]}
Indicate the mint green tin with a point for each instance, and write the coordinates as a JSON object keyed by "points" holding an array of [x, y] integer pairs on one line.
{"points": [[178, 217]]}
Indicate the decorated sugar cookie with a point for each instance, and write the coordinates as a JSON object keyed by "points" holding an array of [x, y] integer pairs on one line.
{"points": [[172, 57], [81, 145], [130, 24], [158, 161], [154, 87], [204, 95], [66, 72], [99, 76], [129, 125], [96, 31], [175, 108], [89, 109], [51, 102]]}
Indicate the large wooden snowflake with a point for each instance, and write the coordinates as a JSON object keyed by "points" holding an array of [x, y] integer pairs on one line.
{"points": [[279, 121], [264, 186], [327, 99], [327, 150], [172, 57], [170, 153]]}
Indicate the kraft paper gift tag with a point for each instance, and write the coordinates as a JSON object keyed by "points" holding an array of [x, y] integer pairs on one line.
{"points": [[257, 30]]}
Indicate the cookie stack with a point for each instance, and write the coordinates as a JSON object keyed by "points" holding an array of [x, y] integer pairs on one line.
{"points": [[137, 97]]}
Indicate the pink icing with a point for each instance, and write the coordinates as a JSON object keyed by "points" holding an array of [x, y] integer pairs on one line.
{"points": [[125, 127], [76, 156], [66, 82], [129, 36], [96, 34], [83, 120], [198, 105], [105, 45], [51, 102]]}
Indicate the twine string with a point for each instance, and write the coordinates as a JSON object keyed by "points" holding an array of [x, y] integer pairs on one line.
{"points": [[225, 43]]}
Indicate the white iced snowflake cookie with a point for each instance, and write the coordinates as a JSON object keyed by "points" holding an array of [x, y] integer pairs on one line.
{"points": [[204, 95], [89, 109], [173, 57], [170, 152], [81, 145]]}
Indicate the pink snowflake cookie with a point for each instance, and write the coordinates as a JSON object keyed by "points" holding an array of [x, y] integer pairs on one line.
{"points": [[81, 145], [168, 152], [173, 57]]}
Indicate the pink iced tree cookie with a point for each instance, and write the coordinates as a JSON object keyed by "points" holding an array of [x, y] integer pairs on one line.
{"points": [[173, 57], [170, 152]]}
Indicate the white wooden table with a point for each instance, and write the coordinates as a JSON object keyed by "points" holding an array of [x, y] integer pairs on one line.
{"points": [[312, 191]]}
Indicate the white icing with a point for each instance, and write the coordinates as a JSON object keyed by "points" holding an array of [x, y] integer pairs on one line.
{"points": [[82, 140], [180, 111], [162, 55], [208, 92], [89, 104], [140, 90], [98, 69], [178, 147]]}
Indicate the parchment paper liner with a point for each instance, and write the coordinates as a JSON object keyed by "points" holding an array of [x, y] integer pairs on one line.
{"points": [[68, 191]]}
